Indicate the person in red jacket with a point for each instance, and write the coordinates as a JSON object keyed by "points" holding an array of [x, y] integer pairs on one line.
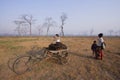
{"points": [[101, 45]]}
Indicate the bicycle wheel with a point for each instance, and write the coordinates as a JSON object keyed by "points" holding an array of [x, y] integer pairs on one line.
{"points": [[10, 63], [21, 64]]}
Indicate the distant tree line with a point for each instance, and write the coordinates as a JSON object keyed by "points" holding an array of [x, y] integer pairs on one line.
{"points": [[114, 33], [25, 24]]}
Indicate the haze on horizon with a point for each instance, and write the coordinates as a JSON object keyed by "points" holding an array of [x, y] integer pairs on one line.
{"points": [[84, 16]]}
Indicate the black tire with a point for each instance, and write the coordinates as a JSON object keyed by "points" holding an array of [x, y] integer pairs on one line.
{"points": [[21, 64]]}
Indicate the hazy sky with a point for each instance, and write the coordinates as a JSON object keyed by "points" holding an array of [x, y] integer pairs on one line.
{"points": [[83, 15]]}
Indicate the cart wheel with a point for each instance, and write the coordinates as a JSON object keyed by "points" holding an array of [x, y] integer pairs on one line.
{"points": [[56, 59], [60, 60], [64, 54], [21, 64], [63, 60]]}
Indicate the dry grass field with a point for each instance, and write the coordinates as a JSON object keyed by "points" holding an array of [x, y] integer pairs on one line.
{"points": [[81, 64]]}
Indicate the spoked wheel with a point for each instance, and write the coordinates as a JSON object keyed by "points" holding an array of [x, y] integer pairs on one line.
{"points": [[63, 60], [10, 63], [60, 60], [64, 54], [21, 64], [56, 60]]}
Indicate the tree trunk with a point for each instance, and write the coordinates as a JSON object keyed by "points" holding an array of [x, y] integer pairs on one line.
{"points": [[47, 30], [62, 32], [30, 30]]}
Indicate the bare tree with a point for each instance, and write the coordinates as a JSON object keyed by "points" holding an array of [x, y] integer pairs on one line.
{"points": [[49, 23], [91, 31], [40, 29], [24, 30], [63, 17], [119, 32], [18, 28], [28, 19], [111, 31]]}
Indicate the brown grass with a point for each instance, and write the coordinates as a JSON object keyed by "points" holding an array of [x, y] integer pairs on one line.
{"points": [[81, 64]]}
